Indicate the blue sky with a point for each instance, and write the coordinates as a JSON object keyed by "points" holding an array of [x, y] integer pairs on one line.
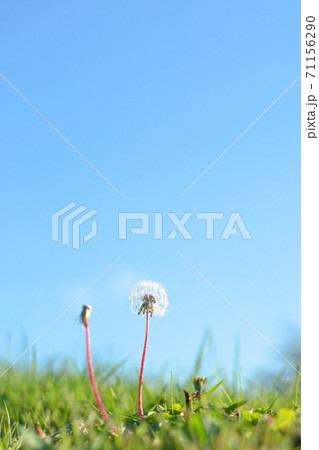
{"points": [[151, 93]]}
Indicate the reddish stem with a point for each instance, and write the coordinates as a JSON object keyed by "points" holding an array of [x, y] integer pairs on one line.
{"points": [[97, 396], [140, 386]]}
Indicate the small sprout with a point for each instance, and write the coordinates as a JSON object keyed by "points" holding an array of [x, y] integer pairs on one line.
{"points": [[40, 432], [82, 427], [199, 384]]}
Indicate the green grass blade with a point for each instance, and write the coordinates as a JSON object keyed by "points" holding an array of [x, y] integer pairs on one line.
{"points": [[234, 406], [210, 391], [297, 386], [224, 390], [172, 396], [277, 396], [206, 342]]}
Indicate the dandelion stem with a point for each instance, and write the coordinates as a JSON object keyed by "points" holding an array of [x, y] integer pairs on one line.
{"points": [[140, 387], [97, 396], [92, 377]]}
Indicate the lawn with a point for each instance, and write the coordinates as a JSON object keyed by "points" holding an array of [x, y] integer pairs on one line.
{"points": [[55, 408]]}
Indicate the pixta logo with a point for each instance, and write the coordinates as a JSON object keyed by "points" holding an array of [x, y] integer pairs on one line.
{"points": [[67, 224], [138, 223]]}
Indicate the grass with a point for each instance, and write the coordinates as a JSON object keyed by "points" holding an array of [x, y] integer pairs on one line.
{"points": [[42, 409]]}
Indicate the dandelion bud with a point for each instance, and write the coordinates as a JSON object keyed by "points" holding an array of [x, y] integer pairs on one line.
{"points": [[85, 314]]}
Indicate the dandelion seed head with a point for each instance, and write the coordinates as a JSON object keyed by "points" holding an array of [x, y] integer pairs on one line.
{"points": [[149, 295]]}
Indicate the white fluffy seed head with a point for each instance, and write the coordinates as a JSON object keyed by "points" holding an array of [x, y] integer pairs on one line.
{"points": [[142, 298]]}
